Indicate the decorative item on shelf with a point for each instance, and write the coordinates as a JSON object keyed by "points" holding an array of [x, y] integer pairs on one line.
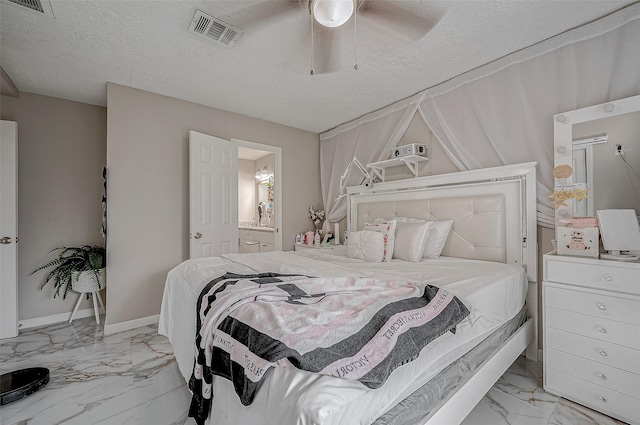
{"points": [[562, 171], [316, 214], [581, 222], [578, 241], [564, 192], [316, 238], [76, 266], [308, 238]]}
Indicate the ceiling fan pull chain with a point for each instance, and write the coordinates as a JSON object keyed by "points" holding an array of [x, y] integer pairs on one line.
{"points": [[312, 46], [355, 37]]}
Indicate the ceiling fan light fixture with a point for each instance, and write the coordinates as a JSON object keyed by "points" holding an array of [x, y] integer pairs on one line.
{"points": [[332, 13]]}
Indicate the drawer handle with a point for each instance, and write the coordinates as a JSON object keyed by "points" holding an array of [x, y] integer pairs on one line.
{"points": [[602, 400], [607, 278], [602, 376], [602, 353], [602, 330], [602, 307]]}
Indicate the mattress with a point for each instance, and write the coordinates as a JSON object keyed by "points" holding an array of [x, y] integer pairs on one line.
{"points": [[493, 292]]}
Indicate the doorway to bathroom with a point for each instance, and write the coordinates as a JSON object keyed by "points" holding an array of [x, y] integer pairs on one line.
{"points": [[259, 197]]}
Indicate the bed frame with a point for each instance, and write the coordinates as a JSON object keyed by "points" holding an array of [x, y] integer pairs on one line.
{"points": [[494, 213]]}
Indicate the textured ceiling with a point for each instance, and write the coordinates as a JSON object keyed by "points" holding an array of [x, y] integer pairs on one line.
{"points": [[145, 44]]}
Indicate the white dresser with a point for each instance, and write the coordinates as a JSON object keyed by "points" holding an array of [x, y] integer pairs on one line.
{"points": [[591, 335]]}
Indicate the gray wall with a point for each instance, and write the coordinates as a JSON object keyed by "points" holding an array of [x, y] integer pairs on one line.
{"points": [[147, 159], [61, 153]]}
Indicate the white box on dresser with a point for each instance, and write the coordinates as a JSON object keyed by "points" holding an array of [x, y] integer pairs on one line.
{"points": [[591, 334]]}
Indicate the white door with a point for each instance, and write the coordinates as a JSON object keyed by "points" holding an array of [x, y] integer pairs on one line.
{"points": [[213, 192], [8, 229]]}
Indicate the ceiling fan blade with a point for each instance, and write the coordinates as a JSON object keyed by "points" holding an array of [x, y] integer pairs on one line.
{"points": [[397, 16], [264, 14]]}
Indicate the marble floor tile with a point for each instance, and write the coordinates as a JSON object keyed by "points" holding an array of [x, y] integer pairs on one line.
{"points": [[499, 408], [570, 413], [523, 380], [132, 378]]}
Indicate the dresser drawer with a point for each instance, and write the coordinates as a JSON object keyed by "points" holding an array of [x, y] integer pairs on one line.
{"points": [[594, 327], [599, 351], [610, 402], [594, 303], [598, 275], [594, 372]]}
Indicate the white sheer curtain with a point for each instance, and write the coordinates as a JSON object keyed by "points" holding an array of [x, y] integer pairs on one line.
{"points": [[502, 113], [369, 139]]}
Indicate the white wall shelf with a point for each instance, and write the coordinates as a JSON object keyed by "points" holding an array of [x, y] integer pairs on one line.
{"points": [[411, 161]]}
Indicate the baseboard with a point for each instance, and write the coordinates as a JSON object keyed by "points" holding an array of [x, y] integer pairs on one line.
{"points": [[54, 318], [131, 324]]}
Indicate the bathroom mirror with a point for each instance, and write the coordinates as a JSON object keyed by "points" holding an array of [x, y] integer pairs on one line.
{"points": [[587, 140]]}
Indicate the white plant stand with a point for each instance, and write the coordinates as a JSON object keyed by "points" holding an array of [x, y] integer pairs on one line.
{"points": [[85, 283]]}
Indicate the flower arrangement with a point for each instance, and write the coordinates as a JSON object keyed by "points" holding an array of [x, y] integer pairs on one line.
{"points": [[316, 214]]}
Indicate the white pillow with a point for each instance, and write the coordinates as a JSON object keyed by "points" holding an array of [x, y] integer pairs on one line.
{"points": [[388, 230], [437, 237], [365, 245], [410, 240]]}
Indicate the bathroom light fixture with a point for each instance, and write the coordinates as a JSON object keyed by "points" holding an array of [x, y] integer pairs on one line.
{"points": [[332, 13], [262, 174]]}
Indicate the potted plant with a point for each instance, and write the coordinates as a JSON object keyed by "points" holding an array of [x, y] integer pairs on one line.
{"points": [[79, 268]]}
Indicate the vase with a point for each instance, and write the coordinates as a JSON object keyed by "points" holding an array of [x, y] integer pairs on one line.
{"points": [[85, 282]]}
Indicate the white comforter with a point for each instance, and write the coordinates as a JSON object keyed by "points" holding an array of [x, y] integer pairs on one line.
{"points": [[494, 293]]}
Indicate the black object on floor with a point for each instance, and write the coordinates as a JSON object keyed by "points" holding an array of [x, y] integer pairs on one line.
{"points": [[21, 383]]}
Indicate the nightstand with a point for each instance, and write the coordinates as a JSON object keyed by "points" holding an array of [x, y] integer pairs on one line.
{"points": [[591, 334], [300, 247]]}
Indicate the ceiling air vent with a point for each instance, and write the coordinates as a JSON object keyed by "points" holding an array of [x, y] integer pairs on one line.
{"points": [[40, 6], [214, 29]]}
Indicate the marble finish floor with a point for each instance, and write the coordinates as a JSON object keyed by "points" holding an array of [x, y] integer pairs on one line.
{"points": [[132, 378]]}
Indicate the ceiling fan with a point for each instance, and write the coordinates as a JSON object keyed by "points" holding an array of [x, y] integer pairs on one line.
{"points": [[326, 18]]}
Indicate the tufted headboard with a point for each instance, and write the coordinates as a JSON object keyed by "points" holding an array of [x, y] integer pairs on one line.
{"points": [[493, 211], [479, 222]]}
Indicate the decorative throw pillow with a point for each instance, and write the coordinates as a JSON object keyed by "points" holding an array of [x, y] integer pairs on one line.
{"points": [[388, 230], [365, 245], [410, 240], [437, 238]]}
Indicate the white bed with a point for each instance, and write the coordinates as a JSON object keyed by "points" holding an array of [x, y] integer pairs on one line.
{"points": [[490, 223]]}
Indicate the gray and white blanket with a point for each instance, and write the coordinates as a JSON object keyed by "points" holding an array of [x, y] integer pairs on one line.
{"points": [[353, 328]]}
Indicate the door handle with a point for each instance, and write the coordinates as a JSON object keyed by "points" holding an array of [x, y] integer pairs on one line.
{"points": [[6, 240], [198, 235]]}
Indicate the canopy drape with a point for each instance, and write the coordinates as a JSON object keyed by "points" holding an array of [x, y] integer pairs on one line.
{"points": [[500, 113], [368, 139]]}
